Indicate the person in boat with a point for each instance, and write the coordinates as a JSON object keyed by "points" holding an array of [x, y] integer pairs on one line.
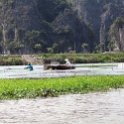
{"points": [[30, 67], [67, 62]]}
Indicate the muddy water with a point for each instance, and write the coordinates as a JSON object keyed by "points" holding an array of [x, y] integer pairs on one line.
{"points": [[92, 108]]}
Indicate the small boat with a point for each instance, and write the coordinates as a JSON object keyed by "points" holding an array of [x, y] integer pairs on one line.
{"points": [[58, 67]]}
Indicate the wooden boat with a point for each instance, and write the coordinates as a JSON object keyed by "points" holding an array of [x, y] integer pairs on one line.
{"points": [[55, 65], [58, 67]]}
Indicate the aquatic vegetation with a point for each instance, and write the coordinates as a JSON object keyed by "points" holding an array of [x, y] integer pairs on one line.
{"points": [[52, 87]]}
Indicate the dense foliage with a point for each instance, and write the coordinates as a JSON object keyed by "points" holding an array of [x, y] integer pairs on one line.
{"points": [[26, 25], [115, 29], [52, 26]]}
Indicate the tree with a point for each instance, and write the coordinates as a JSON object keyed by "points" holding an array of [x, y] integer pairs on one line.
{"points": [[115, 33], [117, 24], [50, 50], [99, 48], [69, 49], [4, 45], [55, 47], [32, 38], [84, 46], [38, 47], [111, 45], [15, 46]]}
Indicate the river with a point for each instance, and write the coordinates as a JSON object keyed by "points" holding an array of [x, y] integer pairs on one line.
{"points": [[91, 108], [81, 69]]}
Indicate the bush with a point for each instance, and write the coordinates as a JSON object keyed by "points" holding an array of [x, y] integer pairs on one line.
{"points": [[17, 62], [80, 60], [11, 61]]}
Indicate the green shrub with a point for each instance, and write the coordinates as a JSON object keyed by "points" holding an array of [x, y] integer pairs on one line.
{"points": [[80, 60], [17, 62]]}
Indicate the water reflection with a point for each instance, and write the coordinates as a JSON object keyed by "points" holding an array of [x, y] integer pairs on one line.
{"points": [[92, 108]]}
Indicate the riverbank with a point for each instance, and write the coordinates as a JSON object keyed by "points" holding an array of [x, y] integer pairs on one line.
{"points": [[75, 58], [33, 88]]}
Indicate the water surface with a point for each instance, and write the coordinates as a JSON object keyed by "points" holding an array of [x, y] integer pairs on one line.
{"points": [[91, 108], [81, 69]]}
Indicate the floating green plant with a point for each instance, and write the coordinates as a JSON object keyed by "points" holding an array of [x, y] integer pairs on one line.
{"points": [[52, 87]]}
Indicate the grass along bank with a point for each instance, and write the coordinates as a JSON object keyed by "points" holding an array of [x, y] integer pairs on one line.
{"points": [[32, 88], [60, 57]]}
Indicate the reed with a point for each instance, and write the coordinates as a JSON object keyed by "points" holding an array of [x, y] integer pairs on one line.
{"points": [[52, 87]]}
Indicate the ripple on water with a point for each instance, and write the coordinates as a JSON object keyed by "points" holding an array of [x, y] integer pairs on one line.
{"points": [[92, 108]]}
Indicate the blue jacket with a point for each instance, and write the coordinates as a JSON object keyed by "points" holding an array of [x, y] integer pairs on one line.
{"points": [[30, 67]]}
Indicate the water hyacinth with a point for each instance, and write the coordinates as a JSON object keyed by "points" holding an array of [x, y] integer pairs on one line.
{"points": [[52, 87]]}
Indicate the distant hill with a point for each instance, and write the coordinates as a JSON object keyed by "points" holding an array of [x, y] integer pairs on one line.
{"points": [[41, 26]]}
